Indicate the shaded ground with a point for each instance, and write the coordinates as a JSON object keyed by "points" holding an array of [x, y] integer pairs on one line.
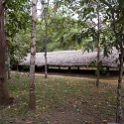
{"points": [[64, 117], [88, 75], [112, 79], [103, 79], [70, 99]]}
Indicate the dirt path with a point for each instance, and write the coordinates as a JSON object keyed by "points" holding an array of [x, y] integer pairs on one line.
{"points": [[103, 79], [112, 80]]}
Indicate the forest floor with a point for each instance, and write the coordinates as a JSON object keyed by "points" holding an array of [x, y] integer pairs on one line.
{"points": [[62, 99]]}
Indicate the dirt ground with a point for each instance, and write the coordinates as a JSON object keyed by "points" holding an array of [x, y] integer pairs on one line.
{"points": [[103, 78]]}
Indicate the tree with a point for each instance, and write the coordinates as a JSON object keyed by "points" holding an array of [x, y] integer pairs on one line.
{"points": [[32, 98], [45, 16], [98, 45], [92, 11], [4, 93], [60, 30], [115, 18], [88, 12], [15, 23], [18, 47]]}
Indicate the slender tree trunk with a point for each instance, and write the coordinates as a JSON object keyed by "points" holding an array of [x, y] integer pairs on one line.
{"points": [[8, 62], [98, 47], [46, 35], [32, 98], [7, 47], [45, 54], [119, 108], [4, 93], [98, 66], [119, 114]]}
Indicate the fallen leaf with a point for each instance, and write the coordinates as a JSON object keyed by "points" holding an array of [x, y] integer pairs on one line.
{"points": [[91, 121], [29, 122], [37, 115], [104, 121]]}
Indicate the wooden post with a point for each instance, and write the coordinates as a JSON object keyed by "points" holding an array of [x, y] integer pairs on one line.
{"points": [[78, 68], [69, 69], [107, 71], [59, 68]]}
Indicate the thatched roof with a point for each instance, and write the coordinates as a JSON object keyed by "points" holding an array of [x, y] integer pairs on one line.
{"points": [[72, 58]]}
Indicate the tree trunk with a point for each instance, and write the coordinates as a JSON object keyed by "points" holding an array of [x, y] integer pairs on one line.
{"points": [[119, 114], [32, 97], [8, 62], [4, 93], [119, 108], [7, 46], [46, 39], [45, 55], [98, 47], [98, 66]]}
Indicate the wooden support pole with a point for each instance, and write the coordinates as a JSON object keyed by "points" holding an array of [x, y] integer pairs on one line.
{"points": [[107, 71], [69, 69]]}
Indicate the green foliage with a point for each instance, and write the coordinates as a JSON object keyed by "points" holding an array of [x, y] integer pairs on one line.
{"points": [[17, 20], [19, 46], [70, 21], [86, 12], [60, 31], [115, 16], [17, 16], [115, 11]]}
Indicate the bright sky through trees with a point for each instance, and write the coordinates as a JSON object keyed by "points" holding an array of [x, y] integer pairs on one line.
{"points": [[39, 6]]}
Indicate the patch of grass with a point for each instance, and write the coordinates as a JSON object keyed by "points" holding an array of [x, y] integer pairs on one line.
{"points": [[60, 101]]}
